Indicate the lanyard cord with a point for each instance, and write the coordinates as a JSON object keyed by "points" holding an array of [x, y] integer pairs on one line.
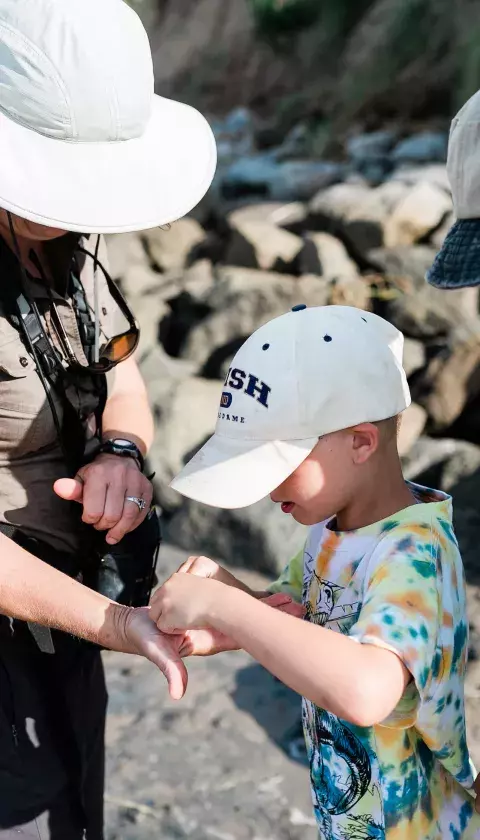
{"points": [[31, 345]]}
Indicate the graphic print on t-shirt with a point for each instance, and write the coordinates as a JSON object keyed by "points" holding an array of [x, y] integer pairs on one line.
{"points": [[340, 769]]}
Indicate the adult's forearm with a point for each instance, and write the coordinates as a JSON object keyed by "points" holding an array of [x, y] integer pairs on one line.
{"points": [[127, 412], [129, 417], [31, 590]]}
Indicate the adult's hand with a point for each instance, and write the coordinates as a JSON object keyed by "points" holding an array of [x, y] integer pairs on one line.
{"points": [[135, 632], [101, 487]]}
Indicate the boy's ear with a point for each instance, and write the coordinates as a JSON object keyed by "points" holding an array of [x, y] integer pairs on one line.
{"points": [[365, 442]]}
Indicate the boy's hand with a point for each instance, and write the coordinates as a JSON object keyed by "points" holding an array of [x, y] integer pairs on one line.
{"points": [[185, 602], [207, 568]]}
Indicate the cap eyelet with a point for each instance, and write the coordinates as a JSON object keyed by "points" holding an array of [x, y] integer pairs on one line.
{"points": [[364, 319], [327, 338], [265, 347]]}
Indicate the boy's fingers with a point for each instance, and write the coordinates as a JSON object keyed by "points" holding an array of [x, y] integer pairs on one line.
{"points": [[279, 599]]}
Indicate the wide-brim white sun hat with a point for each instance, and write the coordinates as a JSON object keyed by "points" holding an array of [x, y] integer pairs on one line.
{"points": [[305, 374], [85, 144]]}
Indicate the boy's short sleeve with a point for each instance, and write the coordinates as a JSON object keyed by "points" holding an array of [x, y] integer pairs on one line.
{"points": [[401, 612], [291, 579]]}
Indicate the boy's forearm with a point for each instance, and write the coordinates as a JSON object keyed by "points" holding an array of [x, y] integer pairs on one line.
{"points": [[350, 680]]}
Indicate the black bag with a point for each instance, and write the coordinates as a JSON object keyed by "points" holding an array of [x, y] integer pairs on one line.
{"points": [[125, 572]]}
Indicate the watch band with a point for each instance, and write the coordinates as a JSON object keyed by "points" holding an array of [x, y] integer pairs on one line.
{"points": [[124, 449]]}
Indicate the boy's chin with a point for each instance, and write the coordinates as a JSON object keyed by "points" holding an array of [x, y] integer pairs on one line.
{"points": [[303, 517]]}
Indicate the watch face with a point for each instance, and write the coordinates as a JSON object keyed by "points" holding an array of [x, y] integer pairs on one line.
{"points": [[123, 443]]}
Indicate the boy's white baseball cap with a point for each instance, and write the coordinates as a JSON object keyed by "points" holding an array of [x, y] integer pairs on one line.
{"points": [[303, 375]]}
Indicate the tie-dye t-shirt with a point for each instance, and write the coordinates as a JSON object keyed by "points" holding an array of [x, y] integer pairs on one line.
{"points": [[398, 584]]}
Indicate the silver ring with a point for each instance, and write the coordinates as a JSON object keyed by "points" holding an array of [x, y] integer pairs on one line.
{"points": [[141, 503]]}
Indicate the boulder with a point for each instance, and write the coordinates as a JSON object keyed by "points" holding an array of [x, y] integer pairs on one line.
{"points": [[356, 214], [454, 383], [364, 148], [350, 291], [125, 251], [438, 236], [326, 256], [414, 356], [258, 537], [417, 214], [241, 301], [150, 310], [138, 280], [426, 147], [369, 154], [414, 420], [435, 174], [264, 177], [291, 216], [416, 308], [262, 245], [235, 136], [453, 466], [173, 247], [185, 410], [441, 462]]}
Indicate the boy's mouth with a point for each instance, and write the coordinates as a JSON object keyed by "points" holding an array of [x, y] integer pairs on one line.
{"points": [[287, 507]]}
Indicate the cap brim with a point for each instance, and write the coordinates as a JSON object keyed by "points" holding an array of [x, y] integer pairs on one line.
{"points": [[457, 264], [109, 187], [228, 473]]}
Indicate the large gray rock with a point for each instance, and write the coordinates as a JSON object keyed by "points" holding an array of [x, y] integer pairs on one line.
{"points": [[185, 410], [426, 147], [414, 356], [291, 216], [125, 251], [415, 307], [173, 247], [259, 537], [413, 423], [442, 463], [256, 244], [263, 177], [453, 466], [326, 256], [241, 301], [356, 214], [417, 214], [369, 154], [452, 380], [434, 173]]}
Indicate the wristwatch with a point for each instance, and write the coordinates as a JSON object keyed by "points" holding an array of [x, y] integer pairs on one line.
{"points": [[123, 448]]}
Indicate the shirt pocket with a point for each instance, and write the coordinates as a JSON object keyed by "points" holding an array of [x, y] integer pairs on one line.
{"points": [[26, 421]]}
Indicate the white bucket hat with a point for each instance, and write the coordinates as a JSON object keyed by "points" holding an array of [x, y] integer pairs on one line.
{"points": [[303, 375], [85, 145]]}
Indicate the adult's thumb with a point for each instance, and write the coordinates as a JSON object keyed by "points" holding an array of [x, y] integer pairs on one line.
{"points": [[69, 489], [172, 667]]}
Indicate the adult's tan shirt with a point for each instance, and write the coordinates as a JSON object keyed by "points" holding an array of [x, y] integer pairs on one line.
{"points": [[30, 455]]}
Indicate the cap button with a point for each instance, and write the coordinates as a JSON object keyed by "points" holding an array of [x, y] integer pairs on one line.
{"points": [[298, 307]]}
